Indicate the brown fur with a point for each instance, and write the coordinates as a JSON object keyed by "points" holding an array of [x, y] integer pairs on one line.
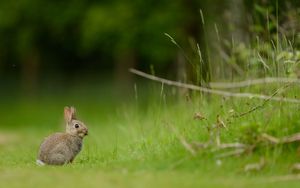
{"points": [[62, 148]]}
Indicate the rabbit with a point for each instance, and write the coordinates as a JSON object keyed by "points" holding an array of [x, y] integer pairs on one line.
{"points": [[62, 148]]}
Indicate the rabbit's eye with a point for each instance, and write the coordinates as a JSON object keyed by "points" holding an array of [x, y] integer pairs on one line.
{"points": [[76, 126]]}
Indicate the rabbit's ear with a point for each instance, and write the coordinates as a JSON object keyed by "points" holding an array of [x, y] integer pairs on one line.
{"points": [[73, 112], [68, 111]]}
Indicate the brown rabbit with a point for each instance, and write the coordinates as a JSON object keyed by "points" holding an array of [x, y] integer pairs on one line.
{"points": [[62, 148]]}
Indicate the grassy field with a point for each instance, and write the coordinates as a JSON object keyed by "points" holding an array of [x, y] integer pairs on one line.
{"points": [[136, 141]]}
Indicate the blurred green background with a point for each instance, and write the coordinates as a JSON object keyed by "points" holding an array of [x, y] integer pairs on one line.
{"points": [[80, 50], [42, 40], [77, 52]]}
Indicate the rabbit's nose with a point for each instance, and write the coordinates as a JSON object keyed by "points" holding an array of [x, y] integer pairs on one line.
{"points": [[86, 132]]}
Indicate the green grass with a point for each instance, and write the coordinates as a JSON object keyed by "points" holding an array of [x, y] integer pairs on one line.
{"points": [[130, 142]]}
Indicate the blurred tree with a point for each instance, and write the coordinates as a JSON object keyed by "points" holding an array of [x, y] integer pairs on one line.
{"points": [[77, 35], [86, 34]]}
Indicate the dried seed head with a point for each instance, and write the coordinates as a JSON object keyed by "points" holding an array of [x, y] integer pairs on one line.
{"points": [[220, 122], [199, 116]]}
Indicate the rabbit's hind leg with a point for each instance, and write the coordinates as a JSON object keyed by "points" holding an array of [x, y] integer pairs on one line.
{"points": [[58, 159]]}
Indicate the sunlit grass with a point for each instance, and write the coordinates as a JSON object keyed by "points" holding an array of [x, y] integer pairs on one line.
{"points": [[130, 143]]}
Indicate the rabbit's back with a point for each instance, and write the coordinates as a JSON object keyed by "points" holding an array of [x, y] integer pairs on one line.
{"points": [[59, 148]]}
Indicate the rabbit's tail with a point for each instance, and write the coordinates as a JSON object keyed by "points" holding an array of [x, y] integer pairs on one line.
{"points": [[40, 163]]}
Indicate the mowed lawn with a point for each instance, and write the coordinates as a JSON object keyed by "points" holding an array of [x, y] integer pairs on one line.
{"points": [[133, 141]]}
